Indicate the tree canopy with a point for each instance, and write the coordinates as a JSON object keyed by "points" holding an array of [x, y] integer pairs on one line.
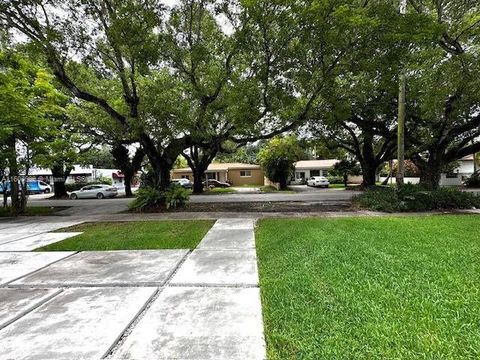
{"points": [[203, 77], [277, 158]]}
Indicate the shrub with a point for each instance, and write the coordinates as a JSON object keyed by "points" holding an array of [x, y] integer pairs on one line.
{"points": [[335, 179], [150, 198], [176, 196], [415, 198], [474, 180]]}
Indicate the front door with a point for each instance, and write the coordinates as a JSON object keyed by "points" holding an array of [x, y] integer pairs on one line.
{"points": [[300, 177]]}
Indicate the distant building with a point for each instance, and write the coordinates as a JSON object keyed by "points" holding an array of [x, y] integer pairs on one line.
{"points": [[237, 174], [462, 172], [79, 174], [305, 169]]}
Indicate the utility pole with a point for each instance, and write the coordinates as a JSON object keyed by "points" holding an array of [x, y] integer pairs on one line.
{"points": [[401, 116]]}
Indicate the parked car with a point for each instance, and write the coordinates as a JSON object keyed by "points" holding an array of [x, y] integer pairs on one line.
{"points": [[318, 181], [33, 187], [212, 183], [187, 184], [44, 187], [99, 191]]}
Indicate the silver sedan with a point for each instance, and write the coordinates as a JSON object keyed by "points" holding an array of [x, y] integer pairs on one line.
{"points": [[99, 191]]}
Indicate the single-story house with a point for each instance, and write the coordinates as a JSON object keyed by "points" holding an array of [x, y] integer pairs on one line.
{"points": [[305, 169], [237, 174], [465, 168]]}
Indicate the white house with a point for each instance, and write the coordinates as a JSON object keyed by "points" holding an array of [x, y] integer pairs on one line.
{"points": [[81, 174], [465, 168], [305, 169]]}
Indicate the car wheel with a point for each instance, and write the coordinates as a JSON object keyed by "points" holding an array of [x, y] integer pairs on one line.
{"points": [[100, 196], [73, 197], [47, 191]]}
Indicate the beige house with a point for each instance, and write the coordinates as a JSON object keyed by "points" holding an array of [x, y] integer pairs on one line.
{"points": [[237, 174]]}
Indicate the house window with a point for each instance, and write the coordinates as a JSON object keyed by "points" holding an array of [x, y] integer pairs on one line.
{"points": [[245, 173], [212, 175], [324, 172], [314, 173], [452, 175], [300, 175]]}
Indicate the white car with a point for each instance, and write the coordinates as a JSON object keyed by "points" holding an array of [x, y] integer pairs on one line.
{"points": [[318, 181], [46, 189], [99, 191], [187, 184]]}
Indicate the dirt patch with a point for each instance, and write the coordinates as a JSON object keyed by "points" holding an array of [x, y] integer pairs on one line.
{"points": [[290, 206]]}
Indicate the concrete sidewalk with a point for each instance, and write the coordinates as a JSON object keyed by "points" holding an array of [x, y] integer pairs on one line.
{"points": [[152, 304]]}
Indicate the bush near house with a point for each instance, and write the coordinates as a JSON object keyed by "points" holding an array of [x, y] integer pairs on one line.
{"points": [[415, 198], [335, 179]]}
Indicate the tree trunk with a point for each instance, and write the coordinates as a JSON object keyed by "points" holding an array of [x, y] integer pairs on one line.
{"points": [[14, 177], [430, 175], [59, 176], [369, 171], [162, 167], [345, 179], [128, 176], [198, 176], [283, 183], [199, 159], [5, 195]]}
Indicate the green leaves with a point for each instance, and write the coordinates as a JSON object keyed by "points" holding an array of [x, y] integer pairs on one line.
{"points": [[278, 156]]}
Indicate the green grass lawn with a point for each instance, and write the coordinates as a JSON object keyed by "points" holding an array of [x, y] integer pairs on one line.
{"points": [[219, 190], [30, 211], [337, 186], [371, 288], [270, 188], [134, 235]]}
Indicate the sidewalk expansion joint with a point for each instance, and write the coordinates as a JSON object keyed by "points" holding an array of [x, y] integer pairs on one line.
{"points": [[32, 308], [86, 285], [131, 325], [7, 284], [204, 285]]}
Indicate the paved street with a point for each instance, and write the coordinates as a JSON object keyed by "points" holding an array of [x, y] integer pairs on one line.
{"points": [[151, 304], [110, 206]]}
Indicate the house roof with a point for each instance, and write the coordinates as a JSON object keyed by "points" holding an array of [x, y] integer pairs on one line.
{"points": [[315, 164], [467, 158], [224, 167]]}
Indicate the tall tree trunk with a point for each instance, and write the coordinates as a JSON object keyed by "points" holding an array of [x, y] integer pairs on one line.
{"points": [[59, 177], [14, 177], [126, 165], [430, 170], [369, 172], [198, 176], [283, 183], [199, 159], [162, 166], [128, 176], [430, 175], [368, 162]]}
